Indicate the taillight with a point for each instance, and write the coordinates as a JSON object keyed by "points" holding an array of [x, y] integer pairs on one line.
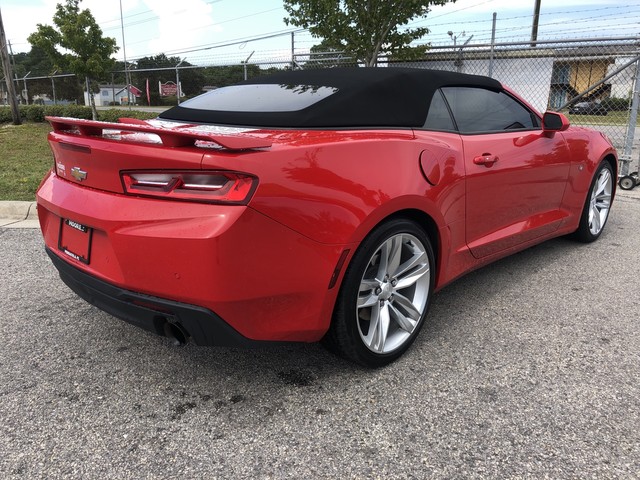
{"points": [[209, 187]]}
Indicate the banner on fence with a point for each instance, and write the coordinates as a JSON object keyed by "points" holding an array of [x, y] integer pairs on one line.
{"points": [[169, 89]]}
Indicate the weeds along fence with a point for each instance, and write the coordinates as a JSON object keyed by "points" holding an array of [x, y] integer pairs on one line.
{"points": [[593, 81]]}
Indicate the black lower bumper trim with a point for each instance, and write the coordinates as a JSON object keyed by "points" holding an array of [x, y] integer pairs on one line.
{"points": [[151, 313]]}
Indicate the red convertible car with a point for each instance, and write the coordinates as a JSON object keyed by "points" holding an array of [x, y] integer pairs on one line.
{"points": [[314, 205]]}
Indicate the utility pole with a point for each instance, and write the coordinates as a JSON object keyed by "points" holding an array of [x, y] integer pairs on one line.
{"points": [[127, 77], [8, 75], [536, 20]]}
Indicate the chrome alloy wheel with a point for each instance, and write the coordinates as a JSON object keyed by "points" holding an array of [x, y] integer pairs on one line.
{"points": [[393, 293], [600, 201]]}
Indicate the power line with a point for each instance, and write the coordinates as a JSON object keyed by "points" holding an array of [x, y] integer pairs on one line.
{"points": [[220, 23], [616, 15], [611, 17], [228, 44]]}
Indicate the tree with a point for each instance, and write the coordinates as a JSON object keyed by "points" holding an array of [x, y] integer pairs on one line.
{"points": [[38, 64], [326, 55], [160, 68], [222, 76], [364, 29], [76, 44]]}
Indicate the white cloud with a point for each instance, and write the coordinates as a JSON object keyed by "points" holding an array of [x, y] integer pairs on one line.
{"points": [[20, 21], [182, 25]]}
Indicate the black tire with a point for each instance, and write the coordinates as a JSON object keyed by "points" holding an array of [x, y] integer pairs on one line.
{"points": [[627, 182], [365, 304], [597, 205]]}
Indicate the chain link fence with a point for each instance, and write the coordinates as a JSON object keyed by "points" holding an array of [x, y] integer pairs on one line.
{"points": [[593, 81]]}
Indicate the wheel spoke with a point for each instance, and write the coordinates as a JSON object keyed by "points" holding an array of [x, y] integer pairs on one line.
{"points": [[596, 225], [368, 301], [603, 182], [405, 323], [378, 328], [603, 200], [383, 328], [366, 285], [413, 276], [366, 295], [389, 257], [374, 321], [417, 258], [383, 261], [407, 306]]}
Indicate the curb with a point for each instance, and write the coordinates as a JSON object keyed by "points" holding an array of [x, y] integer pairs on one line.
{"points": [[18, 215]]}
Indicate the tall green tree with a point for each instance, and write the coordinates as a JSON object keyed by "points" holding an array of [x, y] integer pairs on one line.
{"points": [[38, 64], [75, 43], [160, 68], [325, 55], [364, 29]]}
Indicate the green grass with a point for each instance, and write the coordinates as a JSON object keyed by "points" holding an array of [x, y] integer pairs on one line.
{"points": [[25, 158], [613, 118]]}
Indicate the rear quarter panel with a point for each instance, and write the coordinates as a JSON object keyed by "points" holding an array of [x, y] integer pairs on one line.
{"points": [[334, 187]]}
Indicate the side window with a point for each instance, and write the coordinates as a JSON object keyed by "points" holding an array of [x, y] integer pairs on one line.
{"points": [[478, 110], [439, 117]]}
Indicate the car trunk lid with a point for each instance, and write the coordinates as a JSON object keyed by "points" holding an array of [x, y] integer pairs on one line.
{"points": [[93, 154]]}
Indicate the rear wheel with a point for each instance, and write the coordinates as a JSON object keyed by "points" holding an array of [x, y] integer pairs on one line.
{"points": [[385, 295], [596, 209]]}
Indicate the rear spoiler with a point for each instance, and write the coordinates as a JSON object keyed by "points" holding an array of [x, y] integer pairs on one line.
{"points": [[180, 137]]}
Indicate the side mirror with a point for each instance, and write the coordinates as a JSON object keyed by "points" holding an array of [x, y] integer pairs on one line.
{"points": [[554, 122]]}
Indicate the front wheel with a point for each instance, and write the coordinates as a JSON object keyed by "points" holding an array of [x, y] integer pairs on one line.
{"points": [[385, 295], [597, 206]]}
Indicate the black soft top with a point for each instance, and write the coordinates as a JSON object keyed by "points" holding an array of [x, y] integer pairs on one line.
{"points": [[361, 97]]}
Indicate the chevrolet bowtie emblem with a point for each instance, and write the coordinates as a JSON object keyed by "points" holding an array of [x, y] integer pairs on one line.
{"points": [[78, 174]]}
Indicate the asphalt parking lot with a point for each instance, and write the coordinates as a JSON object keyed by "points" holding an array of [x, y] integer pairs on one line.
{"points": [[527, 368]]}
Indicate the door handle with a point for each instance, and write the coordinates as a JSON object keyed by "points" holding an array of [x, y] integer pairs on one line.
{"points": [[485, 159]]}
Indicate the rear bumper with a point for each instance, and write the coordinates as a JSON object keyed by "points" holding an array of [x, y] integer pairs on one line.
{"points": [[150, 313], [266, 281]]}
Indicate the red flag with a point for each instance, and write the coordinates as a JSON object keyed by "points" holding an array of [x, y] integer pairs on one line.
{"points": [[148, 94]]}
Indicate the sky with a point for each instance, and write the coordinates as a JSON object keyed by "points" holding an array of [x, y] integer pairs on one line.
{"points": [[215, 32]]}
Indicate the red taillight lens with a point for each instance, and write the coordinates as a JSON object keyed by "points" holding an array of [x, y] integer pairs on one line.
{"points": [[208, 187]]}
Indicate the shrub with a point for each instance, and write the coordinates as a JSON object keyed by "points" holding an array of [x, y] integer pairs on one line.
{"points": [[114, 115], [54, 110], [32, 113], [77, 111], [5, 115], [37, 113]]}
